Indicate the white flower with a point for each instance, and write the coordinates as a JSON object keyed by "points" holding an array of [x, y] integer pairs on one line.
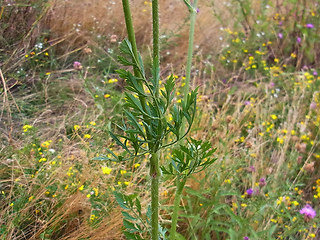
{"points": [[51, 150]]}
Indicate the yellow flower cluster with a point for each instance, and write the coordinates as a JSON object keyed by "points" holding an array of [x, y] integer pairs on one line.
{"points": [[317, 188], [112, 80], [106, 170], [26, 128], [46, 144]]}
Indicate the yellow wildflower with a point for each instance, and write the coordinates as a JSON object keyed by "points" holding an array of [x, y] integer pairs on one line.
{"points": [[42, 160], [227, 181], [96, 191], [113, 80], [273, 116], [136, 165], [106, 170], [26, 127], [87, 136], [93, 217], [295, 203]]}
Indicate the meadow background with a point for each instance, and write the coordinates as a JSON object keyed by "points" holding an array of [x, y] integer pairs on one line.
{"points": [[256, 63]]}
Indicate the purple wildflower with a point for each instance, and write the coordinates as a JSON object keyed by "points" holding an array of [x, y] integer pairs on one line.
{"points": [[315, 73], [280, 35], [262, 182], [309, 25], [247, 102], [298, 39], [272, 84], [198, 10], [77, 65], [313, 105], [251, 169], [249, 191], [305, 67], [308, 212], [246, 238]]}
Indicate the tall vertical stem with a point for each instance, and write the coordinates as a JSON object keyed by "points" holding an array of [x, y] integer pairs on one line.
{"points": [[181, 182], [155, 175], [154, 164], [193, 15], [186, 89], [154, 161], [176, 205], [132, 39], [130, 31], [156, 43]]}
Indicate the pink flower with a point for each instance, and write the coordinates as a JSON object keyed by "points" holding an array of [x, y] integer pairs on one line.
{"points": [[272, 84], [308, 212], [251, 169], [262, 182], [77, 65], [313, 105], [309, 25], [113, 38], [249, 191]]}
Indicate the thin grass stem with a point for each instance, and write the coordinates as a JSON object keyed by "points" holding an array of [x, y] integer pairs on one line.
{"points": [[180, 183], [155, 175]]}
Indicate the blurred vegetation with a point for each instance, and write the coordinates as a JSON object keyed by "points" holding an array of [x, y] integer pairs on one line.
{"points": [[259, 106]]}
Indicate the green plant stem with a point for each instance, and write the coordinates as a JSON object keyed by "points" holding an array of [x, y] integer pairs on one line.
{"points": [[193, 15], [176, 206], [154, 174], [180, 183], [156, 43], [132, 39], [154, 163], [130, 31]]}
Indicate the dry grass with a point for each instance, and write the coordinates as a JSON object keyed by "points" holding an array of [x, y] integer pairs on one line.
{"points": [[90, 19], [70, 220], [76, 24]]}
